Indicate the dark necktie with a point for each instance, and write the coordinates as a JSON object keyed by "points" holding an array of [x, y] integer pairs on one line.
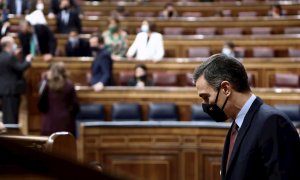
{"points": [[233, 135]]}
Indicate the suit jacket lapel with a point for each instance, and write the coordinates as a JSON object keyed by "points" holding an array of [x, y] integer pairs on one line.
{"points": [[242, 132]]}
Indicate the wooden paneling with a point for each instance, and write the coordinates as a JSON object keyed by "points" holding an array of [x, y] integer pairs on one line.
{"points": [[154, 151], [131, 24]]}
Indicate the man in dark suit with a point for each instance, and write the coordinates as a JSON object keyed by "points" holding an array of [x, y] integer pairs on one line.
{"points": [[261, 143], [54, 7], [11, 80], [67, 18], [37, 39], [76, 46], [17, 7], [101, 70]]}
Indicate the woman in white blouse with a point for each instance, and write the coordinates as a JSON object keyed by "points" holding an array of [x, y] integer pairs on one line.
{"points": [[148, 45]]}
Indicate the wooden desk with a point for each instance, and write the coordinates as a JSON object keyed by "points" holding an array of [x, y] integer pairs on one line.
{"points": [[131, 24], [206, 9], [182, 97], [263, 69], [156, 150], [177, 46]]}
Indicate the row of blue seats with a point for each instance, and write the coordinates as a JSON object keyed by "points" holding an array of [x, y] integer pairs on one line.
{"points": [[160, 112]]}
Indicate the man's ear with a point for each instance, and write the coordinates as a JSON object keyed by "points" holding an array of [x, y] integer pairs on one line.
{"points": [[226, 88]]}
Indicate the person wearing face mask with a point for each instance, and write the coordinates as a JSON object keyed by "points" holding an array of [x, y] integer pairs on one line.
{"points": [[115, 39], [36, 15], [11, 79], [262, 142], [169, 11], [76, 46], [148, 45], [17, 7], [54, 7], [67, 18], [101, 70], [228, 49], [140, 79]]}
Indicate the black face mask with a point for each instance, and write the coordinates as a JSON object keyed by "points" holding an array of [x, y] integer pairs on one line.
{"points": [[170, 14], [214, 111], [142, 78]]}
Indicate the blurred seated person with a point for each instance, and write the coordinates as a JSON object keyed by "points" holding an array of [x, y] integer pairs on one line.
{"points": [[17, 7], [67, 18], [115, 39], [141, 77], [169, 11], [276, 10], [229, 49], [76, 46], [148, 45], [54, 7], [119, 12], [37, 40], [101, 70]]}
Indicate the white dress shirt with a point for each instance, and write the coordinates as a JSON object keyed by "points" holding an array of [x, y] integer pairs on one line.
{"points": [[241, 115], [147, 49]]}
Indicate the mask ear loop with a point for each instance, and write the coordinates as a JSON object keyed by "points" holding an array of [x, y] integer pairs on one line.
{"points": [[224, 103], [216, 100]]}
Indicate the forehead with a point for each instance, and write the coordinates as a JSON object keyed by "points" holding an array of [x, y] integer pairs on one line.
{"points": [[203, 87]]}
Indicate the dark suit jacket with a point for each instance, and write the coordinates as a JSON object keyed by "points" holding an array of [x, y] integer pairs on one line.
{"points": [[81, 49], [54, 6], [102, 68], [74, 22], [267, 147], [46, 40], [11, 74], [11, 6]]}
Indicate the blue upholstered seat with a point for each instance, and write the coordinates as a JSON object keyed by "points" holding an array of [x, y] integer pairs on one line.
{"points": [[91, 112], [163, 112], [126, 112]]}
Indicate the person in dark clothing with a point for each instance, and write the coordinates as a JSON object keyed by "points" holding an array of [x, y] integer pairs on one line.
{"points": [[17, 7], [76, 46], [141, 77], [58, 101], [54, 8], [67, 18], [11, 80], [262, 143], [37, 39], [101, 70]]}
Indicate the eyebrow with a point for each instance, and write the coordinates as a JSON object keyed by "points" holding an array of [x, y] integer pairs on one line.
{"points": [[204, 95]]}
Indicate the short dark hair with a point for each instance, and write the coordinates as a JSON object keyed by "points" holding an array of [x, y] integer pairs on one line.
{"points": [[99, 37], [143, 66], [220, 67]]}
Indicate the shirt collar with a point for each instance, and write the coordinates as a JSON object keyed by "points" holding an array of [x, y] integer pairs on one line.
{"points": [[241, 115]]}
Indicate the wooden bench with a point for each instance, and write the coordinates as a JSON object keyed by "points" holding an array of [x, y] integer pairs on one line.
{"points": [[60, 143], [206, 9], [156, 150], [182, 97], [178, 46], [131, 24], [263, 69], [29, 157]]}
